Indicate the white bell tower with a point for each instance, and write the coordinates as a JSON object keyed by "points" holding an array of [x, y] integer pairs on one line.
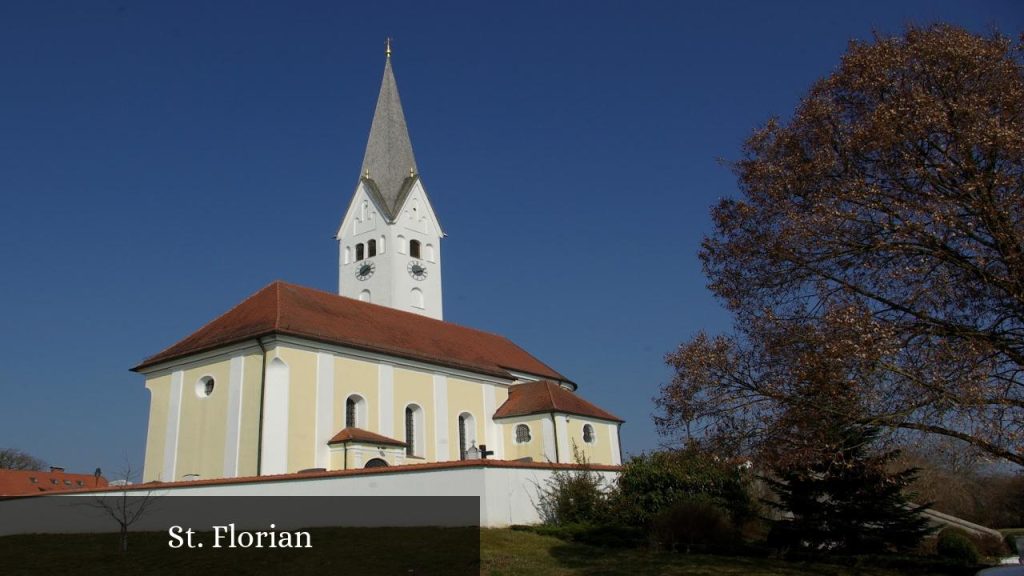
{"points": [[389, 241]]}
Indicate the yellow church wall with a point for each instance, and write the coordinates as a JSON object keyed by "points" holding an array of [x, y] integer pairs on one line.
{"points": [[352, 376], [156, 435], [203, 421], [415, 387], [301, 406], [465, 396], [532, 449], [249, 431], [597, 452]]}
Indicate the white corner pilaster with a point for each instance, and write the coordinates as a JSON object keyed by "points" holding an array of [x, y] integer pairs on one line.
{"points": [[549, 439], [173, 421], [562, 436], [324, 408], [233, 432], [442, 449], [386, 390]]}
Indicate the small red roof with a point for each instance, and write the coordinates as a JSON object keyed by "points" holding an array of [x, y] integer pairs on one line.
{"points": [[545, 396], [17, 482], [364, 436], [287, 309]]}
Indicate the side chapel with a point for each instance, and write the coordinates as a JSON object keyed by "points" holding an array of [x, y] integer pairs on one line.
{"points": [[294, 378]]}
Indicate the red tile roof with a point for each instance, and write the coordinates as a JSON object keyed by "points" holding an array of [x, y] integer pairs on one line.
{"points": [[545, 396], [17, 482], [312, 475], [364, 436], [287, 309]]}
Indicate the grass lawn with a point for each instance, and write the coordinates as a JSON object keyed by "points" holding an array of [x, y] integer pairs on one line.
{"points": [[402, 551], [508, 553]]}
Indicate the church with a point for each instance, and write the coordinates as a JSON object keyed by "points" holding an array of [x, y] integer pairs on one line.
{"points": [[297, 380]]}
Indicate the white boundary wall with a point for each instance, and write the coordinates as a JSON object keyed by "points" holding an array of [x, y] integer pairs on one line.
{"points": [[507, 495]]}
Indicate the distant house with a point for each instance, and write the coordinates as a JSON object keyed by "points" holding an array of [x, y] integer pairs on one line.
{"points": [[22, 482]]}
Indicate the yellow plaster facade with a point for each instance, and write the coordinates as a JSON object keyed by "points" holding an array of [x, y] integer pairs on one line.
{"points": [[194, 435]]}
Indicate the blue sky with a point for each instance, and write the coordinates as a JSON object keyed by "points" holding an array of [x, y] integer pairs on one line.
{"points": [[159, 162]]}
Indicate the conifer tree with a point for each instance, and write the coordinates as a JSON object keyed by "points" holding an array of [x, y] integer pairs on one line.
{"points": [[848, 501]]}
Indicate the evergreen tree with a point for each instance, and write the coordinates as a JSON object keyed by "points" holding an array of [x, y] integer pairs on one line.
{"points": [[848, 501]]}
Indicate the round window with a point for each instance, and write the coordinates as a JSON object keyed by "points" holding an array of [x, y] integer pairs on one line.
{"points": [[204, 387]]}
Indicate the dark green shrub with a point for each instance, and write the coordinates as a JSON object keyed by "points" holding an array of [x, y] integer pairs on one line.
{"points": [[695, 524], [577, 496], [955, 545], [650, 484], [602, 535]]}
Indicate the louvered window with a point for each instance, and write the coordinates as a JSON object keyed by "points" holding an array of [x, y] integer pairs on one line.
{"points": [[522, 434], [350, 413]]}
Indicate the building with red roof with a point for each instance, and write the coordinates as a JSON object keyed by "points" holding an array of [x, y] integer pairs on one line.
{"points": [[295, 379], [25, 482]]}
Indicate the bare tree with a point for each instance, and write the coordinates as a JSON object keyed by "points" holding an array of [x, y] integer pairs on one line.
{"points": [[14, 459], [126, 507], [882, 230]]}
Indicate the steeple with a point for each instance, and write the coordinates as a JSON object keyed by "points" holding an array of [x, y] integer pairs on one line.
{"points": [[389, 242], [389, 164]]}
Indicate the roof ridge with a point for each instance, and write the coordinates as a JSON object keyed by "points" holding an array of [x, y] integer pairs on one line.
{"points": [[412, 314]]}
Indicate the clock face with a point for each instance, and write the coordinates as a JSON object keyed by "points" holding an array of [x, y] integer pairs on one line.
{"points": [[417, 270], [365, 270]]}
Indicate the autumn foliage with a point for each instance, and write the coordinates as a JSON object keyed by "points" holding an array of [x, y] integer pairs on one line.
{"points": [[875, 262]]}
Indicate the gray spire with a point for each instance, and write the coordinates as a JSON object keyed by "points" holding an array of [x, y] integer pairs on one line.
{"points": [[389, 165]]}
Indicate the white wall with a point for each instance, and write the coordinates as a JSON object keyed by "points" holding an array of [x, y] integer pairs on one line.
{"points": [[508, 495]]}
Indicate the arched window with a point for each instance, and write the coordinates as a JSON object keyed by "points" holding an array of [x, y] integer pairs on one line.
{"points": [[381, 245], [350, 412], [376, 463], [401, 244], [417, 298], [348, 254], [430, 253], [371, 248], [364, 295], [522, 434], [413, 430], [588, 433], [359, 252], [355, 411], [467, 433], [414, 248]]}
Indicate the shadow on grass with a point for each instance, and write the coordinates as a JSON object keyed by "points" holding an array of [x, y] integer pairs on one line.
{"points": [[589, 561]]}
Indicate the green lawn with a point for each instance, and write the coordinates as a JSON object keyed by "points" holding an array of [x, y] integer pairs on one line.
{"points": [[508, 553]]}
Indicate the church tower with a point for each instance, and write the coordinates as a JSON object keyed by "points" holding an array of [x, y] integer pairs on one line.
{"points": [[389, 241]]}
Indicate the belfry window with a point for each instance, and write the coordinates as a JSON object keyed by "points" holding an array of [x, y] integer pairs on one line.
{"points": [[371, 248], [359, 252], [522, 434], [414, 248]]}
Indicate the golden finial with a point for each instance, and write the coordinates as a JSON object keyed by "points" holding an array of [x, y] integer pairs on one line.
{"points": [[367, 174], [387, 47], [411, 172]]}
